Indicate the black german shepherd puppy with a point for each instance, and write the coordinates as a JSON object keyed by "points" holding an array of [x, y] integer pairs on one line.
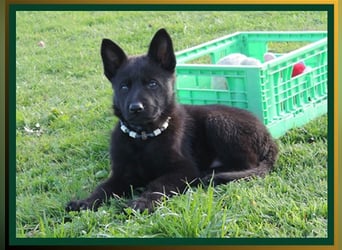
{"points": [[161, 145]]}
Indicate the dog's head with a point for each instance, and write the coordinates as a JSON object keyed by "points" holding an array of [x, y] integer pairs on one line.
{"points": [[143, 85]]}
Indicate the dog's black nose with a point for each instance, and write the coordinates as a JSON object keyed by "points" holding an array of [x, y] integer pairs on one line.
{"points": [[136, 107]]}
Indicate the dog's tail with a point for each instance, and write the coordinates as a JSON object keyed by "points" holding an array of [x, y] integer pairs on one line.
{"points": [[264, 167], [217, 178]]}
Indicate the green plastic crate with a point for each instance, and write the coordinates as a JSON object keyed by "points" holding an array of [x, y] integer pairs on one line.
{"points": [[268, 90]]}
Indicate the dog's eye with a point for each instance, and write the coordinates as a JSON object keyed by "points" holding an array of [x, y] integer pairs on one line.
{"points": [[152, 84], [124, 86]]}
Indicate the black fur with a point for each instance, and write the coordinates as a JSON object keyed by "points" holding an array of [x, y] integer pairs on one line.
{"points": [[199, 138]]}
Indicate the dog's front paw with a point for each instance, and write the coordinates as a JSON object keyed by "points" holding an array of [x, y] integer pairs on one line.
{"points": [[141, 204], [78, 205]]}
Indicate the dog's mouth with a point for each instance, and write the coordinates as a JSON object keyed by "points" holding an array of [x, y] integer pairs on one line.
{"points": [[136, 127], [142, 123]]}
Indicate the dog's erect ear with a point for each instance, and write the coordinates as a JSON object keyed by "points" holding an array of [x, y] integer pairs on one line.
{"points": [[112, 57], [161, 50]]}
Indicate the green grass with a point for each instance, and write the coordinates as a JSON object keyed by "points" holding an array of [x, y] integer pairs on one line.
{"points": [[64, 119]]}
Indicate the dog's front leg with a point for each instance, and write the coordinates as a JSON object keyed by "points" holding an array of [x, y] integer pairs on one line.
{"points": [[165, 185], [112, 186]]}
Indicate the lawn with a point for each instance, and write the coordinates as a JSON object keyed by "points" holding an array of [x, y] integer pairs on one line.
{"points": [[64, 119]]}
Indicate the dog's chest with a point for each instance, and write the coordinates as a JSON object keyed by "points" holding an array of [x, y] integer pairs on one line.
{"points": [[144, 160]]}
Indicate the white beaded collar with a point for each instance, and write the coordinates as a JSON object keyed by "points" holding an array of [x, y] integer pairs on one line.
{"points": [[143, 135]]}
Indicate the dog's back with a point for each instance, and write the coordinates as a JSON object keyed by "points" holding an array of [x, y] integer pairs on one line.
{"points": [[232, 141]]}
